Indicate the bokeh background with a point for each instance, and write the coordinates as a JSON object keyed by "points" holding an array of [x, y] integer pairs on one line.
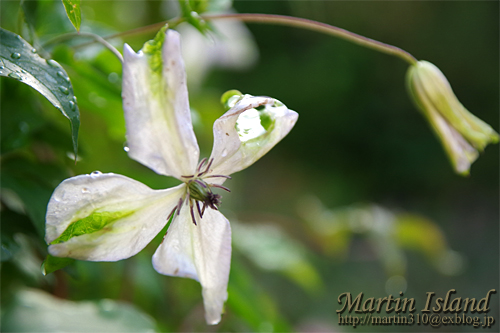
{"points": [[359, 197]]}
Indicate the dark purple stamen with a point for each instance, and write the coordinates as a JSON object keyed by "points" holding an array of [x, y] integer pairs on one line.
{"points": [[192, 212], [220, 186], [201, 183], [201, 164], [218, 176]]}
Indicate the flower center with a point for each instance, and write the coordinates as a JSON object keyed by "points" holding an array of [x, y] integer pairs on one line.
{"points": [[200, 192]]}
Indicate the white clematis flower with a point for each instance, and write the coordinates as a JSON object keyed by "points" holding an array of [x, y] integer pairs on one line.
{"points": [[109, 217]]}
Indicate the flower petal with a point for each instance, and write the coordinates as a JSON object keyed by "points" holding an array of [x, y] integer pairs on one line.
{"points": [[106, 217], [201, 252], [247, 132], [155, 100]]}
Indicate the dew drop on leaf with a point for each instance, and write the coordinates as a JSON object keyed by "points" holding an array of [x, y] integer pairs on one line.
{"points": [[15, 55], [63, 76], [33, 50], [15, 76], [72, 105], [52, 63], [64, 90]]}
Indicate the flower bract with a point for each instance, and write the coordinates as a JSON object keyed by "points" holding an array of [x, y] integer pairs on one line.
{"points": [[462, 134]]}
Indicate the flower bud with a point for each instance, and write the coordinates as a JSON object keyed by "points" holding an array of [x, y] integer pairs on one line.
{"points": [[461, 133]]}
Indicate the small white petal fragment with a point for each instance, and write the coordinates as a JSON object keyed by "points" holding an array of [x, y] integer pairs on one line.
{"points": [[155, 100], [201, 252], [248, 131], [120, 215]]}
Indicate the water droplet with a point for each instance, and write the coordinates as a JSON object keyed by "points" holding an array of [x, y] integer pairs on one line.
{"points": [[33, 50], [24, 127], [74, 99], [95, 174], [15, 55], [72, 105], [52, 63], [127, 149], [224, 153], [19, 37], [59, 195], [15, 76], [85, 190], [63, 76], [64, 90], [1, 67]]}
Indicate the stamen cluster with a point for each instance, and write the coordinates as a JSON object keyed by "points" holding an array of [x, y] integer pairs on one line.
{"points": [[198, 191]]}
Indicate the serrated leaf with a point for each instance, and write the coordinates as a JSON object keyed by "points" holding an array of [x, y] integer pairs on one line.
{"points": [[19, 61], [73, 11], [52, 264]]}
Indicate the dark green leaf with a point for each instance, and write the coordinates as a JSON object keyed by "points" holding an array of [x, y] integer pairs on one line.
{"points": [[52, 264], [33, 184], [73, 11], [19, 61]]}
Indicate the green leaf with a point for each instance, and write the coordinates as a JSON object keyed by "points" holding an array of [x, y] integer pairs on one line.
{"points": [[19, 61], [34, 310], [33, 184], [73, 11], [192, 17], [52, 264]]}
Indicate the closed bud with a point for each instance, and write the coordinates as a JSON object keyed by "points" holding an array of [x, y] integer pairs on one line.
{"points": [[462, 134]]}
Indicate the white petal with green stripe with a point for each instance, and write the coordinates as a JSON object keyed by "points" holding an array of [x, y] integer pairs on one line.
{"points": [[248, 131], [155, 100], [106, 217]]}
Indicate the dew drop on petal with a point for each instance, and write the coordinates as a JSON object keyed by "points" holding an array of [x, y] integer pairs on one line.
{"points": [[15, 55], [33, 50], [85, 190], [127, 149], [59, 195], [224, 153], [95, 174]]}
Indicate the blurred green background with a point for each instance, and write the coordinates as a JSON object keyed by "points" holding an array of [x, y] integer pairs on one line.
{"points": [[359, 197]]}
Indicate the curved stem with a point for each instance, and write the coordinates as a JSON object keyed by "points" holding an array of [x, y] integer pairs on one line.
{"points": [[97, 38], [319, 27]]}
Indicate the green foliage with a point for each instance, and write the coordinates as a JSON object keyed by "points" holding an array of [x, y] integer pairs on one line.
{"points": [[44, 311], [52, 264], [32, 184], [20, 61], [73, 11], [190, 13], [92, 223]]}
